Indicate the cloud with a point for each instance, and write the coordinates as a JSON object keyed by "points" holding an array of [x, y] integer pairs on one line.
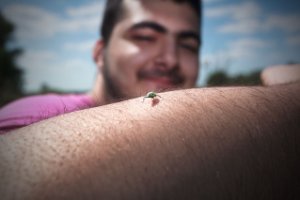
{"points": [[235, 51], [216, 60], [84, 46], [293, 40], [240, 11], [85, 18], [243, 17], [242, 27], [31, 59], [47, 67], [92, 9], [36, 26], [217, 11], [34, 22], [246, 47], [249, 17], [36, 65], [210, 1], [287, 23]]}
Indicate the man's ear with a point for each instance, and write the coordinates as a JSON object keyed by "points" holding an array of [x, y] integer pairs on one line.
{"points": [[98, 53]]}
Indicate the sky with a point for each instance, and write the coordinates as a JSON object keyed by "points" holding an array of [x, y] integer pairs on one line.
{"points": [[239, 36]]}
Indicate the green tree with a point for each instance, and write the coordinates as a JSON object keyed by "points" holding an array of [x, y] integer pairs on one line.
{"points": [[221, 78], [10, 73]]}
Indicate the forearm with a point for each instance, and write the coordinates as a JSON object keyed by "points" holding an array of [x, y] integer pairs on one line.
{"points": [[194, 142]]}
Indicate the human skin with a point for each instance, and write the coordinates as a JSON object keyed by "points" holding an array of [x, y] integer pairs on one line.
{"points": [[154, 47], [211, 143], [281, 74]]}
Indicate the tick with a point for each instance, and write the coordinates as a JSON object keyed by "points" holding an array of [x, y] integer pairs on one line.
{"points": [[151, 95]]}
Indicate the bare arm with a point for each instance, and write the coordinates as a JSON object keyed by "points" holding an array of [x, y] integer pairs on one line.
{"points": [[223, 143]]}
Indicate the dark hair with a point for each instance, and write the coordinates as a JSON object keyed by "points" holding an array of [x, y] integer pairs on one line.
{"points": [[114, 11]]}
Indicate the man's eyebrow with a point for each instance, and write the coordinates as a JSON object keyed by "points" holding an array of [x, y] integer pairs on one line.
{"points": [[161, 29], [152, 25]]}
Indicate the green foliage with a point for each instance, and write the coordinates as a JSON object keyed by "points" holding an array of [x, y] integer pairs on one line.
{"points": [[10, 73], [221, 78]]}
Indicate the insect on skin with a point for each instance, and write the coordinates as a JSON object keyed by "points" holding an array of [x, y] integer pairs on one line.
{"points": [[151, 95]]}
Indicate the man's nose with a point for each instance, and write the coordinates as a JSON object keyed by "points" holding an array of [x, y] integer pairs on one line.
{"points": [[168, 55]]}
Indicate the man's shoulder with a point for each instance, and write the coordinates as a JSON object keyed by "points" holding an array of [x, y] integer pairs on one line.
{"points": [[32, 109]]}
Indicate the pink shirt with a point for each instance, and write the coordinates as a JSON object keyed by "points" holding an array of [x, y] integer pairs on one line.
{"points": [[32, 109]]}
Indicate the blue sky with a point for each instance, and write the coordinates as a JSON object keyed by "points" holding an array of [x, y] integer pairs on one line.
{"points": [[239, 36]]}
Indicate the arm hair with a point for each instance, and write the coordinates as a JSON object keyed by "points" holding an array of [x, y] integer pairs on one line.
{"points": [[213, 143]]}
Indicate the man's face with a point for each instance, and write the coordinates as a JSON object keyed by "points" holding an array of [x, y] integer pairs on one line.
{"points": [[153, 48]]}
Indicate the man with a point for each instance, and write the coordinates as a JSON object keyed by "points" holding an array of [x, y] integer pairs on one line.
{"points": [[211, 143], [143, 48]]}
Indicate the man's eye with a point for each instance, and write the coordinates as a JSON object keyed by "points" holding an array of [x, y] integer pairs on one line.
{"points": [[191, 48], [143, 38]]}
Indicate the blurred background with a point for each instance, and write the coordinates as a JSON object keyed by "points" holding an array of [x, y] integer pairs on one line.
{"points": [[46, 46]]}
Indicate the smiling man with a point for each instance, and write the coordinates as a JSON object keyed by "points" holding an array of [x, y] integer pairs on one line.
{"points": [[154, 46], [145, 46], [201, 143]]}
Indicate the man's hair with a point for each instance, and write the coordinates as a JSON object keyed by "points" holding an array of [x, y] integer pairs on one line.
{"points": [[114, 11]]}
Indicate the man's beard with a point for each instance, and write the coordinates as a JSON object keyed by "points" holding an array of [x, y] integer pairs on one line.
{"points": [[113, 91]]}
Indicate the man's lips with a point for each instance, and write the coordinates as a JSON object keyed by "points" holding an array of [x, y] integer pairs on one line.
{"points": [[165, 81]]}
